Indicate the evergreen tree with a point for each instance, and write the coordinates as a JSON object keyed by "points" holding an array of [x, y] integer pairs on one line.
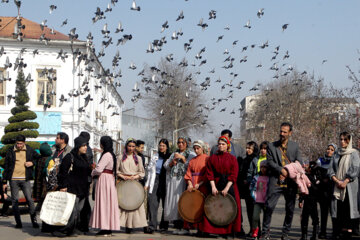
{"points": [[19, 123]]}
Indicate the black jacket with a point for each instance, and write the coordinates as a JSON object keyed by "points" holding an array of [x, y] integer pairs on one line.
{"points": [[9, 165], [75, 180]]}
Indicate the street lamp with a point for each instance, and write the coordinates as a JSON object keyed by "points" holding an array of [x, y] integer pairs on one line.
{"points": [[176, 130]]}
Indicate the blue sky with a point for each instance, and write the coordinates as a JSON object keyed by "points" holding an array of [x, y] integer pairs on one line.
{"points": [[317, 30]]}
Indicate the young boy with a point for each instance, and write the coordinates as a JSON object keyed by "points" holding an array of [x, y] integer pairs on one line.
{"points": [[258, 189]]}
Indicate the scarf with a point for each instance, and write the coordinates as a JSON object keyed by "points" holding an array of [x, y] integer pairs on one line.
{"points": [[225, 139], [344, 165], [179, 169]]}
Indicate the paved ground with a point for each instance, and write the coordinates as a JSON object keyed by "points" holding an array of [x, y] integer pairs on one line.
{"points": [[7, 230]]}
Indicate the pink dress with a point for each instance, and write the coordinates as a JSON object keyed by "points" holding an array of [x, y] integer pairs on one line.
{"points": [[106, 214]]}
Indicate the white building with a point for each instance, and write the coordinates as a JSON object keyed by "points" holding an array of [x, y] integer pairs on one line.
{"points": [[247, 107], [140, 128], [54, 75]]}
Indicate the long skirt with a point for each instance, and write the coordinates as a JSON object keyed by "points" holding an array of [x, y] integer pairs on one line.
{"points": [[106, 214]]}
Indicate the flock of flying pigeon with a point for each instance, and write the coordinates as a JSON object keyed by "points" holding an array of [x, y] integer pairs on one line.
{"points": [[227, 88]]}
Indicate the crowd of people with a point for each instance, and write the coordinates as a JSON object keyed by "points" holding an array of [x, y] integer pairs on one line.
{"points": [[259, 174]]}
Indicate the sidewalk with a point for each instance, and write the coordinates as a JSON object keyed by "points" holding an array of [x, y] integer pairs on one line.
{"points": [[7, 230]]}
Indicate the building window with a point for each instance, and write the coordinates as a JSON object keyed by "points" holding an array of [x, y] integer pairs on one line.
{"points": [[46, 87], [2, 87]]}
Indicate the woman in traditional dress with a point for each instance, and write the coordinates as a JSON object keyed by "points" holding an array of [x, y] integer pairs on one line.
{"points": [[222, 172], [195, 175], [176, 167], [106, 215], [130, 167], [344, 172], [156, 185]]}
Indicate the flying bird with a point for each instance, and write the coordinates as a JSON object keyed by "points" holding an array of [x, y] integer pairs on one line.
{"points": [[134, 7], [181, 16], [284, 27], [260, 12]]}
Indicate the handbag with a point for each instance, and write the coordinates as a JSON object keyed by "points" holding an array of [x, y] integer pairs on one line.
{"points": [[57, 208]]}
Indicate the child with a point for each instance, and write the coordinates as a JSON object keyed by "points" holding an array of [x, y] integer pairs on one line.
{"points": [[309, 202], [258, 189]]}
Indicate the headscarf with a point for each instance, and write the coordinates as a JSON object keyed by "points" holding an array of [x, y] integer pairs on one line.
{"points": [[344, 165], [201, 144], [107, 144], [179, 169], [78, 142], [130, 140], [225, 139], [325, 161]]}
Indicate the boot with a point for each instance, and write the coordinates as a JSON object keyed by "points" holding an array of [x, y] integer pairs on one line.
{"points": [[304, 233], [315, 232], [34, 221], [17, 219]]}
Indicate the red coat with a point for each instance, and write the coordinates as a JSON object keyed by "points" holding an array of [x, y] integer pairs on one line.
{"points": [[223, 163]]}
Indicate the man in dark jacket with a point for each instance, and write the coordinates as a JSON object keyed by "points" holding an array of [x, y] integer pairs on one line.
{"points": [[19, 162], [62, 146], [236, 149], [279, 154]]}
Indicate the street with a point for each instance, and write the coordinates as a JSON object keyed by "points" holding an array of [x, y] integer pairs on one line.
{"points": [[8, 231]]}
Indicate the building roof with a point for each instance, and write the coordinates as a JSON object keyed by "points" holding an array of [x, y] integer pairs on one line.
{"points": [[32, 30]]}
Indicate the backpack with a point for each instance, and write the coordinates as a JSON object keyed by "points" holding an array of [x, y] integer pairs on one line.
{"points": [[51, 178]]}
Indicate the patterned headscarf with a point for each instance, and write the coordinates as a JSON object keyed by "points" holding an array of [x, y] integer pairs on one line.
{"points": [[225, 139], [130, 140]]}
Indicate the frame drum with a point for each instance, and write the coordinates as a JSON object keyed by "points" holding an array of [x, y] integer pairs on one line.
{"points": [[220, 210], [191, 206], [131, 194]]}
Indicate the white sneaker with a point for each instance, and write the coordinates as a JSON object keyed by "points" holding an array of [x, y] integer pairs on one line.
{"points": [[183, 232], [176, 232]]}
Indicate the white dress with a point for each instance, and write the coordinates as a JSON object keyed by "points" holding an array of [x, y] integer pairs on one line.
{"points": [[175, 186]]}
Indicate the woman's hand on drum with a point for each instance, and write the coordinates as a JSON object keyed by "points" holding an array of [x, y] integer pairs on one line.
{"points": [[214, 191], [134, 177], [197, 186], [190, 188], [224, 192]]}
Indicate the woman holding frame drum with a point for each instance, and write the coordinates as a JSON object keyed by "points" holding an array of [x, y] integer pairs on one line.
{"points": [[222, 172], [130, 168]]}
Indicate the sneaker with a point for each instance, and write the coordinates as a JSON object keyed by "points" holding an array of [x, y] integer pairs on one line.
{"points": [[284, 236], [265, 236], [184, 232], [176, 232]]}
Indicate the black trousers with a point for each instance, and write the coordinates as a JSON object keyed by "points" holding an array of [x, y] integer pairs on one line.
{"points": [[309, 209], [272, 198], [153, 206], [325, 204]]}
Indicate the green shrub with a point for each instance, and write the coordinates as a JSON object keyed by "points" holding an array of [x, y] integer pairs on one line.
{"points": [[28, 115], [19, 126]]}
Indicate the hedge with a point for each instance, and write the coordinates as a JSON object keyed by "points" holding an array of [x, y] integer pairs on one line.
{"points": [[19, 109], [28, 115], [19, 126], [11, 136]]}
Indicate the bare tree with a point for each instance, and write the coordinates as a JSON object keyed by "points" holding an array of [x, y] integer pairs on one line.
{"points": [[173, 97], [302, 101]]}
